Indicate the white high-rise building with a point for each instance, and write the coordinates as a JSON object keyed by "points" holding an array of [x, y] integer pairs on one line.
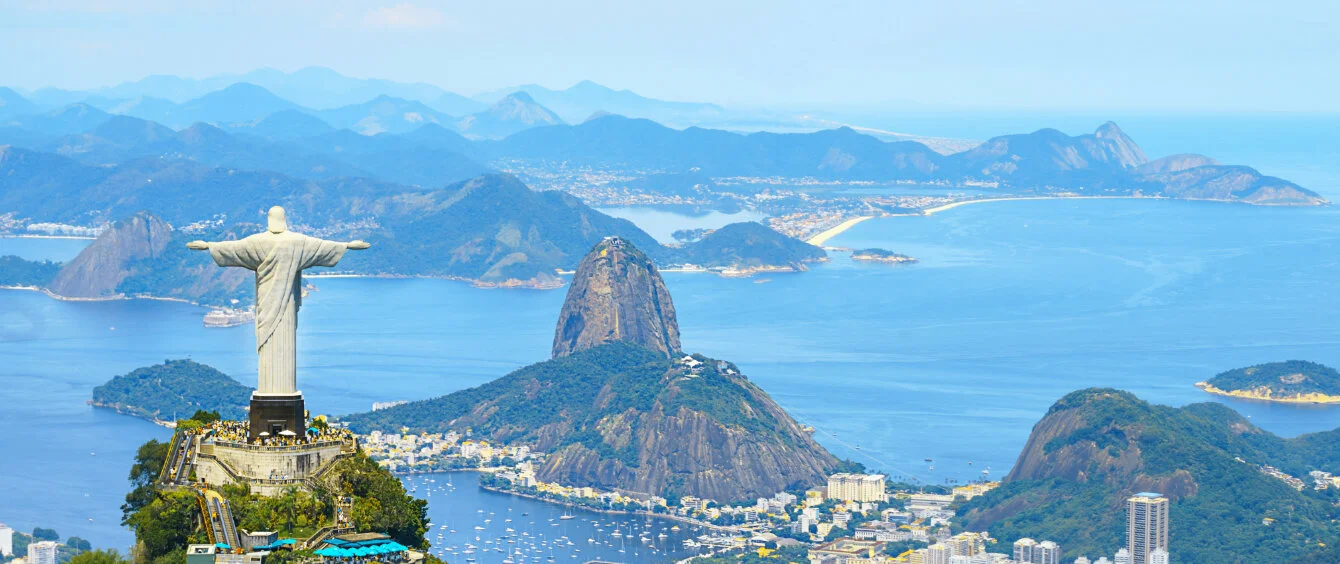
{"points": [[1082, 560], [1146, 526], [1158, 556], [1024, 549], [856, 487], [938, 554], [1123, 557], [6, 540], [42, 552], [1047, 552]]}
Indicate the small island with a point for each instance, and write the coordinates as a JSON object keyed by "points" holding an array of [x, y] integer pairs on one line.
{"points": [[177, 388], [1294, 381], [881, 255]]}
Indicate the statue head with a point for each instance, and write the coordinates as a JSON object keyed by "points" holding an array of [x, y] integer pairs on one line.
{"points": [[278, 222]]}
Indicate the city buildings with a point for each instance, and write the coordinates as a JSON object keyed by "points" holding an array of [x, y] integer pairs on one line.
{"points": [[1146, 526], [42, 552], [1031, 551], [843, 551], [856, 487], [6, 540]]}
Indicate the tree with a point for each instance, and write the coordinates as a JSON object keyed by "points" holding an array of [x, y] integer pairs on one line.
{"points": [[42, 534], [98, 557], [78, 543], [149, 460]]}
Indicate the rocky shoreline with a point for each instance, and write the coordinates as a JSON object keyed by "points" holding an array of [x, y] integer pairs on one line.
{"points": [[1264, 394]]}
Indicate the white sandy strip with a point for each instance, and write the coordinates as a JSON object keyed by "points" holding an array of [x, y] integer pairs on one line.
{"points": [[820, 239]]}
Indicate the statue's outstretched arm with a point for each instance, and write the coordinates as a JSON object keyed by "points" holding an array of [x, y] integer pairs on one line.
{"points": [[198, 246], [357, 245]]}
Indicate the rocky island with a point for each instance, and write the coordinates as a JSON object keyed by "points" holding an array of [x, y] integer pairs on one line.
{"points": [[619, 406], [881, 255], [1294, 381]]}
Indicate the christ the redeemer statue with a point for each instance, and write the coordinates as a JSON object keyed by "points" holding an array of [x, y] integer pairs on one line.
{"points": [[278, 257]]}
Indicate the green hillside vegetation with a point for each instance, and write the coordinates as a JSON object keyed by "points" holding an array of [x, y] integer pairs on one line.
{"points": [[1096, 447], [166, 520], [15, 271], [623, 416], [174, 389], [1290, 378], [579, 390], [747, 244]]}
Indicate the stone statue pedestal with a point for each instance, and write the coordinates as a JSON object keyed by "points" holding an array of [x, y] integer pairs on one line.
{"points": [[275, 413]]}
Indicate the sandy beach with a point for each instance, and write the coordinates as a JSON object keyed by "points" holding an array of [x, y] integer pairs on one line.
{"points": [[950, 206], [821, 238]]}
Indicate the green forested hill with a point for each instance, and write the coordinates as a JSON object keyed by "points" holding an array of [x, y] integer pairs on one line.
{"points": [[176, 388], [1096, 447], [623, 416]]}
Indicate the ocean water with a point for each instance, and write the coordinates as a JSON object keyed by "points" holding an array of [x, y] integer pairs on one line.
{"points": [[31, 248], [661, 224], [466, 516], [1013, 305]]}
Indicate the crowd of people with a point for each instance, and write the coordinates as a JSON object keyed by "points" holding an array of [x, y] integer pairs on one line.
{"points": [[239, 432]]}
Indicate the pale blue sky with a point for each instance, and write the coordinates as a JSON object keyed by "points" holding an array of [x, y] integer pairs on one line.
{"points": [[1110, 55]]}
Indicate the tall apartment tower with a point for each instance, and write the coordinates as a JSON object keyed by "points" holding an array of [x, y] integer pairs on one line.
{"points": [[1146, 526], [42, 552], [1047, 552], [6, 540], [1024, 549]]}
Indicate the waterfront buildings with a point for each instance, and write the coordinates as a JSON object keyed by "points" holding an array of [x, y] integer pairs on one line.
{"points": [[43, 552], [1146, 526], [856, 487]]}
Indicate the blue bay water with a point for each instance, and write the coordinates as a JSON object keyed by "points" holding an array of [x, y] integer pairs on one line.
{"points": [[1013, 305]]}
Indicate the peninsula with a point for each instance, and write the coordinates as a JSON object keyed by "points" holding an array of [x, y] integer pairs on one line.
{"points": [[1294, 381]]}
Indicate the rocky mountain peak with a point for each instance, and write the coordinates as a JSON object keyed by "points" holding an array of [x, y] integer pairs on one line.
{"points": [[616, 295], [102, 266]]}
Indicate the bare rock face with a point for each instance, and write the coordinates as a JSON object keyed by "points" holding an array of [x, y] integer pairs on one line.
{"points": [[101, 267], [616, 295]]}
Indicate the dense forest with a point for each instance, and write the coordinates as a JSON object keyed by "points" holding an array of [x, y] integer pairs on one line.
{"points": [[174, 389], [1097, 447]]}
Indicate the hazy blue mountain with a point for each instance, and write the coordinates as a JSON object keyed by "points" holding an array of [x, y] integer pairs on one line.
{"points": [[644, 144], [322, 88], [319, 88], [1040, 156], [62, 121], [585, 98], [286, 124], [147, 107], [454, 104], [435, 136], [516, 112], [384, 114], [12, 104], [51, 187], [237, 103]]}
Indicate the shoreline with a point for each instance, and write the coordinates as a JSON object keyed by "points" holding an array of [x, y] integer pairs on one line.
{"points": [[825, 235], [666, 516], [1302, 399], [952, 205]]}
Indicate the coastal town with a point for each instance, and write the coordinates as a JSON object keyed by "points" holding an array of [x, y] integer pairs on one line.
{"points": [[855, 518]]}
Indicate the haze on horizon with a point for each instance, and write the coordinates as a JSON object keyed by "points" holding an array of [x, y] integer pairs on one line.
{"points": [[1201, 55]]}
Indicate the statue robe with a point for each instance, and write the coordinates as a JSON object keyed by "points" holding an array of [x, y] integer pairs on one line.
{"points": [[278, 259]]}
